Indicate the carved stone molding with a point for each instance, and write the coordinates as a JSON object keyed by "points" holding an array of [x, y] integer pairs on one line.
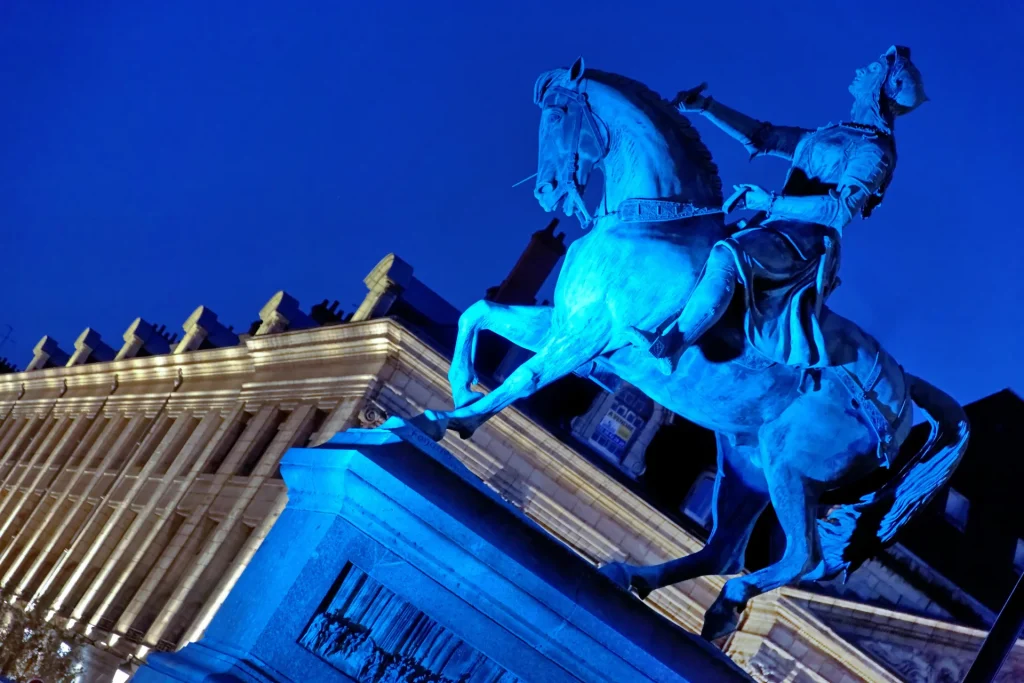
{"points": [[917, 665], [373, 635], [371, 415]]}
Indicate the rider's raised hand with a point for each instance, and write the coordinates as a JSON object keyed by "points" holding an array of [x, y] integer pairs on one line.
{"points": [[693, 99], [750, 197], [736, 200], [756, 198]]}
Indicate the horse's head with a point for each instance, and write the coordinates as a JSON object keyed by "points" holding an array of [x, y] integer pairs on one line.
{"points": [[643, 146], [572, 140]]}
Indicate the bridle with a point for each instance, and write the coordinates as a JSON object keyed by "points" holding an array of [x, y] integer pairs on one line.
{"points": [[580, 115]]}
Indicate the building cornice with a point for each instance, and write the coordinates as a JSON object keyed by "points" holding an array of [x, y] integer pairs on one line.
{"points": [[903, 623]]}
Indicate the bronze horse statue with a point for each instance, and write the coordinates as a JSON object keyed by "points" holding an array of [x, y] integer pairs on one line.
{"points": [[821, 444]]}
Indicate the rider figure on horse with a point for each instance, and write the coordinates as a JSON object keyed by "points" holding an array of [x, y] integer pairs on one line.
{"points": [[788, 259]]}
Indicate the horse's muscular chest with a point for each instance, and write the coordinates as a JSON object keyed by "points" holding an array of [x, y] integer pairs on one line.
{"points": [[638, 274]]}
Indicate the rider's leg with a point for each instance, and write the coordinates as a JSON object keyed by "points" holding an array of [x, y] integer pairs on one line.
{"points": [[705, 307]]}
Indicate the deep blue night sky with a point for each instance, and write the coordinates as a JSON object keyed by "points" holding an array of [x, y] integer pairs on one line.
{"points": [[158, 156]]}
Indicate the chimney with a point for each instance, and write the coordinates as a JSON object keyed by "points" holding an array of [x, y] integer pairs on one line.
{"points": [[496, 356], [532, 270], [326, 315]]}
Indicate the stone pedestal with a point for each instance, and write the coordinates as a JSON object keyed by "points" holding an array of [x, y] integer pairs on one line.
{"points": [[392, 562]]}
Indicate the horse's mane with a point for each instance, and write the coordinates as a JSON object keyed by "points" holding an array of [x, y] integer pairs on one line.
{"points": [[652, 101]]}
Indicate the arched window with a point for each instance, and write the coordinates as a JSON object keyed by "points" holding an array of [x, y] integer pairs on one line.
{"points": [[621, 425], [697, 504], [957, 509]]}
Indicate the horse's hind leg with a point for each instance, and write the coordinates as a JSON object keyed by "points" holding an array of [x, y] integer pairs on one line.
{"points": [[524, 326], [795, 500], [739, 498]]}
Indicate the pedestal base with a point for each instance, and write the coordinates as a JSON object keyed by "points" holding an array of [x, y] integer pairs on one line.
{"points": [[392, 562]]}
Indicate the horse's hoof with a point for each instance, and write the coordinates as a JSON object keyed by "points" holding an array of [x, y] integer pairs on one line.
{"points": [[431, 423], [463, 429], [642, 588], [620, 574], [721, 619]]}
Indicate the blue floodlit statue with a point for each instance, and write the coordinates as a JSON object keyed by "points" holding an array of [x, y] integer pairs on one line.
{"points": [[788, 261], [809, 410]]}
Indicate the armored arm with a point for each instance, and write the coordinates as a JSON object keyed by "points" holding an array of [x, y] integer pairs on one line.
{"points": [[759, 137], [835, 209], [866, 175]]}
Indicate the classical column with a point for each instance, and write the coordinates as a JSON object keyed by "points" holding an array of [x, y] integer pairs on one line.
{"points": [[341, 417], [198, 439], [181, 546], [96, 426], [13, 452], [59, 430], [9, 429], [230, 577], [72, 435], [125, 441], [173, 440], [143, 439], [299, 419], [140, 547], [45, 430], [6, 420], [261, 421], [109, 436], [25, 449]]}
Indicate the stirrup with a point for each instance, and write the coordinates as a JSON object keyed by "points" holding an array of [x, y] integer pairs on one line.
{"points": [[641, 338], [654, 344]]}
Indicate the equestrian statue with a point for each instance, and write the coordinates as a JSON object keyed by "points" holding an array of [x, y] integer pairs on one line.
{"points": [[727, 324]]}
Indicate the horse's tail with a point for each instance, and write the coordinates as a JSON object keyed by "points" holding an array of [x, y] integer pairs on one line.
{"points": [[851, 534]]}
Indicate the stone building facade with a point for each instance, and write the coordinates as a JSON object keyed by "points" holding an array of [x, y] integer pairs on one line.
{"points": [[137, 481]]}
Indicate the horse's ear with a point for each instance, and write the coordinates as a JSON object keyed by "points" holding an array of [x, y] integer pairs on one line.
{"points": [[576, 71]]}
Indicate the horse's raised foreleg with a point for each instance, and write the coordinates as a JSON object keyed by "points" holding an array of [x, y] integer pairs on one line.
{"points": [[524, 326], [740, 496], [563, 351], [795, 499]]}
